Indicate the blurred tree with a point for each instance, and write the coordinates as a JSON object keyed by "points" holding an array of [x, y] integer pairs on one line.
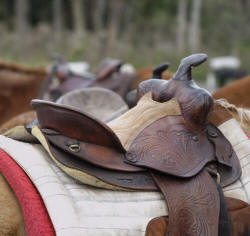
{"points": [[194, 29], [58, 23], [182, 24], [40, 11], [21, 19], [78, 16], [7, 12], [149, 30], [89, 7], [100, 6], [114, 22]]}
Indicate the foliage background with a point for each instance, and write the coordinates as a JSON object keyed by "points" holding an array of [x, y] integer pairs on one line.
{"points": [[142, 32]]}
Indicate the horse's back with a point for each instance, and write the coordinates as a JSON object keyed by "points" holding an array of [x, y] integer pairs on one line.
{"points": [[11, 218], [236, 93]]}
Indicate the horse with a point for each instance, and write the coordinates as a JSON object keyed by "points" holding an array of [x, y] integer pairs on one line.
{"points": [[236, 93], [18, 85], [221, 117], [146, 73], [21, 119], [12, 221]]}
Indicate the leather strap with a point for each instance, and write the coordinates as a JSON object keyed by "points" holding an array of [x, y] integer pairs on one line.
{"points": [[105, 157], [193, 204], [134, 181]]}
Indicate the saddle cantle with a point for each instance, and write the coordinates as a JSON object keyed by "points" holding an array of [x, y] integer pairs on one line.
{"points": [[164, 143], [102, 103]]}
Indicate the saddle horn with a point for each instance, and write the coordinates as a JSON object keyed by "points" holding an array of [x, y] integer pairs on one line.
{"points": [[157, 72], [196, 103], [146, 86], [184, 71]]}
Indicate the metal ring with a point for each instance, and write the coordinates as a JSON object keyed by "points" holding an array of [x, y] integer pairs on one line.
{"points": [[74, 148], [195, 138]]}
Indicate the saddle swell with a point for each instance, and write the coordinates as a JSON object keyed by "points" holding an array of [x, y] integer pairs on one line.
{"points": [[178, 150]]}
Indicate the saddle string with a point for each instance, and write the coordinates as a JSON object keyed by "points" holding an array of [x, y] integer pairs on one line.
{"points": [[242, 115], [225, 226]]}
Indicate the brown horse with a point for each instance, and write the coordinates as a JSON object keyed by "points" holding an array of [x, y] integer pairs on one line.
{"points": [[11, 218], [12, 223], [21, 119], [18, 85], [146, 73], [236, 93]]}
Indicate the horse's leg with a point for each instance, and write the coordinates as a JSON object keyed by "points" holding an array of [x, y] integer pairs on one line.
{"points": [[240, 218], [157, 226], [11, 218]]}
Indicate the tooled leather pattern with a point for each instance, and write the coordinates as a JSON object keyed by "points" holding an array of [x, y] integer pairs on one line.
{"points": [[168, 146], [192, 205]]}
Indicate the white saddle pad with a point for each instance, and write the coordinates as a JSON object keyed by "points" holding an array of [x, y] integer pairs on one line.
{"points": [[78, 209]]}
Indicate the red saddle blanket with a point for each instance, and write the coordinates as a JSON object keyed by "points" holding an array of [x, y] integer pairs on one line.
{"points": [[37, 220]]}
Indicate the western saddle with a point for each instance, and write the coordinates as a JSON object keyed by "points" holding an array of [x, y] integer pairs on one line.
{"points": [[170, 147], [107, 76]]}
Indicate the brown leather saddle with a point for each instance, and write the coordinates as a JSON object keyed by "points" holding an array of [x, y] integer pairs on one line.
{"points": [[179, 153], [108, 76]]}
